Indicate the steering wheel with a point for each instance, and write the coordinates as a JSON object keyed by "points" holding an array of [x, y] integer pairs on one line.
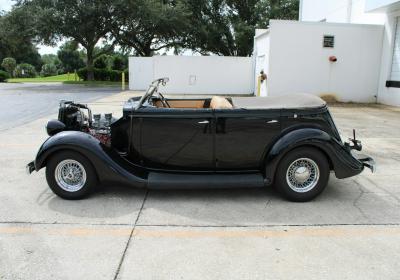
{"points": [[164, 101]]}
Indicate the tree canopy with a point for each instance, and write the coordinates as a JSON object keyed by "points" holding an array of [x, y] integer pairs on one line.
{"points": [[149, 26], [227, 27], [84, 21], [17, 37], [139, 27]]}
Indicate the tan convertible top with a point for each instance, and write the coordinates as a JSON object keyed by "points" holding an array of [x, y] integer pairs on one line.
{"points": [[293, 101]]}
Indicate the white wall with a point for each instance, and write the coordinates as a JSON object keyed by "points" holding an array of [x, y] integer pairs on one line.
{"points": [[340, 11], [371, 5], [261, 58], [390, 96], [196, 74], [299, 63], [141, 72]]}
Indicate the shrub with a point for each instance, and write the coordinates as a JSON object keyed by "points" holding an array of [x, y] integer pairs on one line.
{"points": [[48, 70], [82, 73], [25, 70], [103, 74], [119, 62], [4, 76], [114, 75], [101, 62], [9, 64]]}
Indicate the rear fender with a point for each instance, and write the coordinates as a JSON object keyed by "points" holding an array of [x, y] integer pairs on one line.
{"points": [[109, 165], [341, 160]]}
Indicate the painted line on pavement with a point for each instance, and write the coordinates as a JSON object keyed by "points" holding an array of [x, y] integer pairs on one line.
{"points": [[208, 233]]}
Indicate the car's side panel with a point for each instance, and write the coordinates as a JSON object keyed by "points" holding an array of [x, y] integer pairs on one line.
{"points": [[242, 137], [177, 139], [343, 163], [109, 165]]}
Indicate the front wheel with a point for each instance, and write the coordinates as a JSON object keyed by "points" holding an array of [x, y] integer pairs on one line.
{"points": [[302, 174], [70, 175]]}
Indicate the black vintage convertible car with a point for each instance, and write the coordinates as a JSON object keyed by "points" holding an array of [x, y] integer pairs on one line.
{"points": [[290, 142]]}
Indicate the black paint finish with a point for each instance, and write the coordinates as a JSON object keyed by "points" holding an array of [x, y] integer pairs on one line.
{"points": [[241, 137], [160, 147], [173, 139]]}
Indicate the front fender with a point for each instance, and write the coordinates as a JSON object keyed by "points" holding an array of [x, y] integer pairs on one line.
{"points": [[109, 165], [340, 159]]}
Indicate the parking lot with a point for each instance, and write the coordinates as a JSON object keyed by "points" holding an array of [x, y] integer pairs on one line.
{"points": [[351, 231]]}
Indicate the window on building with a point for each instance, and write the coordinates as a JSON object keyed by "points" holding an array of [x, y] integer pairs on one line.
{"points": [[329, 41], [395, 73]]}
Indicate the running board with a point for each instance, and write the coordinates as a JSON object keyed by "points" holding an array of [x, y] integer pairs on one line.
{"points": [[205, 181]]}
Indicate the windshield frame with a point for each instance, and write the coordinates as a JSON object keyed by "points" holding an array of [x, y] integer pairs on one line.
{"points": [[153, 88]]}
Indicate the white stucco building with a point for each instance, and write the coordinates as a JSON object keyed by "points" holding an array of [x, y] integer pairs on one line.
{"points": [[364, 36], [208, 75]]}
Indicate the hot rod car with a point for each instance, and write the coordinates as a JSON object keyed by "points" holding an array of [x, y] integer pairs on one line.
{"points": [[289, 142]]}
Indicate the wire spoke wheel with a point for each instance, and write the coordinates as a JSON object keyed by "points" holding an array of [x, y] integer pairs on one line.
{"points": [[70, 175], [302, 175]]}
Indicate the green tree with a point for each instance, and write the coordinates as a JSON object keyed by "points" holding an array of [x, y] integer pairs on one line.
{"points": [[25, 70], [70, 57], [149, 26], [101, 62], [119, 62], [17, 37], [50, 59], [227, 27], [84, 21], [48, 70], [9, 65]]}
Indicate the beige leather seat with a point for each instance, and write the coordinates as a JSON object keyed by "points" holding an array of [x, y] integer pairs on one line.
{"points": [[218, 102]]}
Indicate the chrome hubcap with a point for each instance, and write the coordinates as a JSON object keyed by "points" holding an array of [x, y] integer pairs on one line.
{"points": [[70, 175], [302, 175]]}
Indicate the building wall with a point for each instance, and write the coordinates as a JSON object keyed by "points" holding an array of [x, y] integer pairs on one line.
{"points": [[261, 58], [141, 72], [299, 63], [386, 95], [371, 5], [196, 74]]}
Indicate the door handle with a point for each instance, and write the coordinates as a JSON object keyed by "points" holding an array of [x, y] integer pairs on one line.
{"points": [[272, 121], [203, 122]]}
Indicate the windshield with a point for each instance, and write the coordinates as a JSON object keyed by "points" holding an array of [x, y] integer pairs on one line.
{"points": [[153, 88]]}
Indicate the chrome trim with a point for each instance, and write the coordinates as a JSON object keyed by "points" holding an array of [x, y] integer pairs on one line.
{"points": [[302, 175], [70, 175]]}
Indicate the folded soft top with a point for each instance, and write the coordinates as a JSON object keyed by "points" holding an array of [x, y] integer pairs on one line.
{"points": [[292, 101]]}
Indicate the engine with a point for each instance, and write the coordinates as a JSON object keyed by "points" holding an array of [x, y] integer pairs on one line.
{"points": [[101, 128], [78, 117]]}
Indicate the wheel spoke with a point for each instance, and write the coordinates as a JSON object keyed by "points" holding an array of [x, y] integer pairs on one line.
{"points": [[70, 175], [302, 175]]}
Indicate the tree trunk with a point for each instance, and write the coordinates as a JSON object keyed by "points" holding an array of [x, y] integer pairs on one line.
{"points": [[89, 64]]}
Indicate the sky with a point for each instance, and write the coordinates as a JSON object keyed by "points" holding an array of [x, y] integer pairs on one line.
{"points": [[5, 5]]}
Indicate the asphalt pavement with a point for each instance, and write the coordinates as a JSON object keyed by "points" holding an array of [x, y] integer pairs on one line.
{"points": [[21, 103]]}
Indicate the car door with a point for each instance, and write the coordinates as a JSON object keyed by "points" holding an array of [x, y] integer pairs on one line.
{"points": [[177, 139], [242, 136]]}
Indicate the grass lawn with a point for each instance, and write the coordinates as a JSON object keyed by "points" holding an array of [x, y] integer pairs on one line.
{"points": [[58, 78], [64, 78], [94, 83]]}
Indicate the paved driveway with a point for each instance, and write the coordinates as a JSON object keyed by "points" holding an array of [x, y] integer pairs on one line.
{"points": [[351, 231], [22, 103]]}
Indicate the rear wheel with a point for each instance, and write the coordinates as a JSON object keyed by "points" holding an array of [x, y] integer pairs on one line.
{"points": [[302, 174], [70, 175]]}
